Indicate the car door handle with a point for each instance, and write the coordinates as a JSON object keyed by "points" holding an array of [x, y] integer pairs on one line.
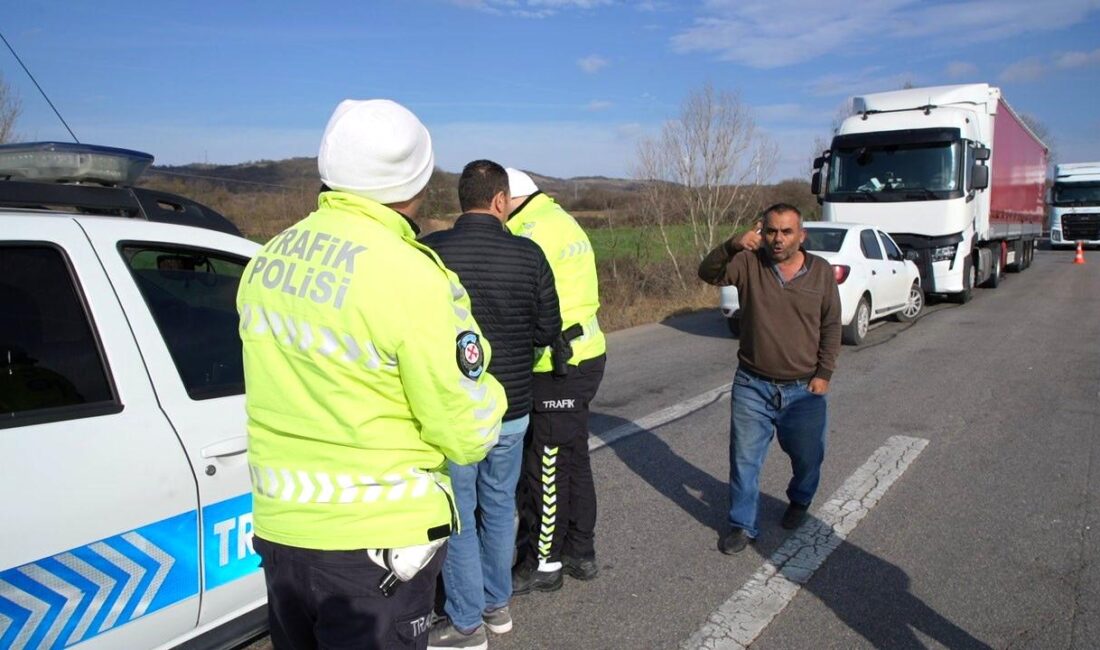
{"points": [[228, 447]]}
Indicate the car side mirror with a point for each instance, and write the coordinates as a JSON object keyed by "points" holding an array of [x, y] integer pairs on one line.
{"points": [[979, 177]]}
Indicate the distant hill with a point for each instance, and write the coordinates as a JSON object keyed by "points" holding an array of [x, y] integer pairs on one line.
{"points": [[293, 172], [265, 196]]}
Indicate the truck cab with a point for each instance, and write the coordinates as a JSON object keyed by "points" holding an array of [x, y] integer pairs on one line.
{"points": [[1075, 205], [127, 498]]}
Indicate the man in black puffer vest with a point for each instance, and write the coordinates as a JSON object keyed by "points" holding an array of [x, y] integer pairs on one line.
{"points": [[514, 302]]}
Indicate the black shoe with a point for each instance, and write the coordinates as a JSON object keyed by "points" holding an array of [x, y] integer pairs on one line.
{"points": [[526, 579], [735, 541], [581, 569], [794, 516]]}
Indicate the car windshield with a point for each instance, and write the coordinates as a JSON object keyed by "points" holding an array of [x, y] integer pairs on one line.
{"points": [[824, 240], [910, 172], [1076, 193]]}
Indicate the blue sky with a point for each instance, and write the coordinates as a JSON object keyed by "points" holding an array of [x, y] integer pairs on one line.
{"points": [[560, 87]]}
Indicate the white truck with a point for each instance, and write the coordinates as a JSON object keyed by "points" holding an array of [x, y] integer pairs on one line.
{"points": [[125, 489], [1075, 205], [950, 172]]}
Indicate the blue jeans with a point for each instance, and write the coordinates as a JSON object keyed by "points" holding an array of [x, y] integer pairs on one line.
{"points": [[477, 574], [797, 417]]}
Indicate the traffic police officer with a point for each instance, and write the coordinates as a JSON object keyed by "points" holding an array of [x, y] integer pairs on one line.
{"points": [[365, 373], [560, 496]]}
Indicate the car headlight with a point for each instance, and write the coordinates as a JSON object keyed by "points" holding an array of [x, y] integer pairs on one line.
{"points": [[944, 253]]}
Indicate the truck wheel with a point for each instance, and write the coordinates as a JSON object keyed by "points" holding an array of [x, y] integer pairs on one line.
{"points": [[853, 333], [1020, 263], [994, 280], [914, 304], [970, 276]]}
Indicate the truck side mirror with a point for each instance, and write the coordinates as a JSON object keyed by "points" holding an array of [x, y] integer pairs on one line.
{"points": [[979, 177], [818, 162], [981, 153], [815, 183]]}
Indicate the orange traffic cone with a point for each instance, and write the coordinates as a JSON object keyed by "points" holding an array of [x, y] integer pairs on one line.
{"points": [[1080, 259]]}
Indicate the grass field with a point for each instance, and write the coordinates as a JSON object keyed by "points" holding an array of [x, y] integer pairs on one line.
{"points": [[638, 242]]}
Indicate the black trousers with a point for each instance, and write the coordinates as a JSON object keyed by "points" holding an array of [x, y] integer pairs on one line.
{"points": [[329, 600], [559, 494]]}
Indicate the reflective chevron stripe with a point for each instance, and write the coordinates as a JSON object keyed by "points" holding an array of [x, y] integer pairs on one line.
{"points": [[73, 596], [303, 486], [306, 337], [574, 249], [549, 501]]}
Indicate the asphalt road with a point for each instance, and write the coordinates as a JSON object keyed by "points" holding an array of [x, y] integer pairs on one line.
{"points": [[988, 539]]}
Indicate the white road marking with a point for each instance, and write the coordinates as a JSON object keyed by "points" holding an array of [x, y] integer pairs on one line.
{"points": [[738, 621], [657, 418]]}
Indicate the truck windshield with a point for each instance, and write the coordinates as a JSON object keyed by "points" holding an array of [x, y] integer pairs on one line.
{"points": [[908, 172], [1076, 193]]}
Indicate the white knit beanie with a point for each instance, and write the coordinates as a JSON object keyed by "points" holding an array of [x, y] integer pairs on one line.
{"points": [[519, 183], [375, 148]]}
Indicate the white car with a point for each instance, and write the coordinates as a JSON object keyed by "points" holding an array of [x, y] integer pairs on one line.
{"points": [[874, 278], [125, 491]]}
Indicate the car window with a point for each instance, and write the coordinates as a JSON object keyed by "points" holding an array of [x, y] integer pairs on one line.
{"points": [[868, 243], [192, 296], [825, 240], [892, 251], [49, 355]]}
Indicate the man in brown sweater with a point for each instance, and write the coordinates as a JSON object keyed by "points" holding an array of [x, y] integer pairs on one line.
{"points": [[790, 337]]}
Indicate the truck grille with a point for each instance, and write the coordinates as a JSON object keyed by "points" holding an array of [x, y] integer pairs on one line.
{"points": [[1081, 226]]}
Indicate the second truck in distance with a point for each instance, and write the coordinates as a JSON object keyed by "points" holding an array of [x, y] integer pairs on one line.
{"points": [[1075, 204]]}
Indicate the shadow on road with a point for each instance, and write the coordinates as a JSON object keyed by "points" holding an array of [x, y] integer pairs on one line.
{"points": [[868, 593], [707, 322]]}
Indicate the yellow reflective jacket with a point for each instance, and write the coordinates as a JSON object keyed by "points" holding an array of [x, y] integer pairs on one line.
{"points": [[364, 373], [569, 252]]}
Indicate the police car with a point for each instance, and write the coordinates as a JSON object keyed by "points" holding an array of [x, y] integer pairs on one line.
{"points": [[125, 488]]}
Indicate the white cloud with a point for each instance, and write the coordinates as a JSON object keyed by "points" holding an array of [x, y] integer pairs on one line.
{"points": [[776, 33], [1023, 71], [562, 149], [598, 105], [785, 113], [961, 69], [1035, 68], [529, 8], [592, 63], [1078, 59], [865, 80]]}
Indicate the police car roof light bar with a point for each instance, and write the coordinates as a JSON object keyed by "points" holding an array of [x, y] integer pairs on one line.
{"points": [[64, 162]]}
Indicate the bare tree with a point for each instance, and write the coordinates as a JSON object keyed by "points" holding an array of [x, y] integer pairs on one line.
{"points": [[703, 170], [10, 108]]}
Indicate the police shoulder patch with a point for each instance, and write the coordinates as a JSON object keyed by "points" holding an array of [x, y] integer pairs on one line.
{"points": [[471, 357]]}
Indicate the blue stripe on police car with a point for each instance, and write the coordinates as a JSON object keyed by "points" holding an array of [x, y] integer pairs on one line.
{"points": [[81, 593]]}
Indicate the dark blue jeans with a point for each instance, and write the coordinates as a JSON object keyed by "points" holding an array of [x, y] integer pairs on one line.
{"points": [[792, 413]]}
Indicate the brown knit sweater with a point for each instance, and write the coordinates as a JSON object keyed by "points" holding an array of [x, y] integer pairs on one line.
{"points": [[787, 332]]}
